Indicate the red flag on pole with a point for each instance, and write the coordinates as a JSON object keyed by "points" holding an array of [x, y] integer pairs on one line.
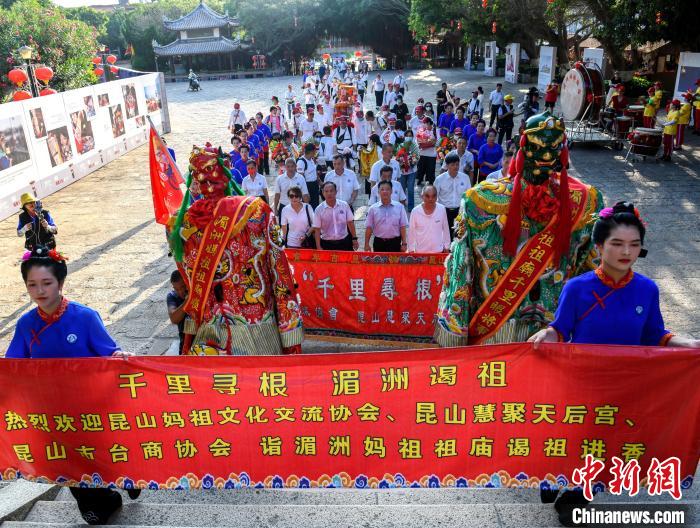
{"points": [[165, 179]]}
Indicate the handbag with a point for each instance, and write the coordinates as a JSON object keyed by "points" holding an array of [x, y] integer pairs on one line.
{"points": [[309, 241]]}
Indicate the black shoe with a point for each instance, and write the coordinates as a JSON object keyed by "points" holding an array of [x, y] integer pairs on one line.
{"points": [[133, 493], [100, 511]]}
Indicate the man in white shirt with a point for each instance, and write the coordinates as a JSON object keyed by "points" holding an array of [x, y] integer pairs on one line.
{"points": [[466, 158], [290, 97], [362, 130], [237, 119], [322, 118], [334, 222], [451, 185], [308, 126], [474, 107], [372, 123], [309, 96], [345, 181], [417, 120], [389, 96], [503, 171], [344, 140], [428, 230], [495, 100], [386, 159], [397, 192], [400, 81], [283, 183], [306, 167]]}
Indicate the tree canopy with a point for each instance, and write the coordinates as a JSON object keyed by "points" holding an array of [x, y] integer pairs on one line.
{"points": [[616, 23], [63, 44]]}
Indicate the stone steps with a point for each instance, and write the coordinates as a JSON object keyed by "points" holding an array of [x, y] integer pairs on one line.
{"points": [[337, 508]]}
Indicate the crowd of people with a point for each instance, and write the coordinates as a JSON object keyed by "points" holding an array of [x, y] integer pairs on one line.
{"points": [[320, 165], [332, 142]]}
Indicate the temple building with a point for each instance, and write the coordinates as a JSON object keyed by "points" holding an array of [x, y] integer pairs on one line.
{"points": [[205, 42]]}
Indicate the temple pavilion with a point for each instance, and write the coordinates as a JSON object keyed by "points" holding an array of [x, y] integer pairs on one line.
{"points": [[205, 42]]}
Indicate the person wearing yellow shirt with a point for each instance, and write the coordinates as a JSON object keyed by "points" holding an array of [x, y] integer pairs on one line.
{"points": [[683, 120], [649, 109], [670, 128], [696, 109]]}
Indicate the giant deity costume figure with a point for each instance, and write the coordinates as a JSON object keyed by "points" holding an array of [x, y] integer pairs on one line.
{"points": [[517, 242], [241, 293]]}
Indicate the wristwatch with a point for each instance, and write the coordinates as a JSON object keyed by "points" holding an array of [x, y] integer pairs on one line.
{"points": [[354, 238]]}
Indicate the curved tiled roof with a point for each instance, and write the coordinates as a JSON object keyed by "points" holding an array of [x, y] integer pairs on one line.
{"points": [[200, 17], [197, 46]]}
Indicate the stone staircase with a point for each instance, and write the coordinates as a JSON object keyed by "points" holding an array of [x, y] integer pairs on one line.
{"points": [[314, 508]]}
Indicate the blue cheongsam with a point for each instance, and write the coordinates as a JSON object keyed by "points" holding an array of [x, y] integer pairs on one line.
{"points": [[79, 332], [592, 309]]}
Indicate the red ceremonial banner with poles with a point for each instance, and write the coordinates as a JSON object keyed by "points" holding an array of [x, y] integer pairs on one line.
{"points": [[493, 416], [368, 295], [165, 178]]}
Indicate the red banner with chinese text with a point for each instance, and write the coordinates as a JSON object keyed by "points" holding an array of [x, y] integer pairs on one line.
{"points": [[378, 295], [500, 415]]}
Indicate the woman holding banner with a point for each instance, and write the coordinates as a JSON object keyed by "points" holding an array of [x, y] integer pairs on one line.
{"points": [[58, 328], [596, 306]]}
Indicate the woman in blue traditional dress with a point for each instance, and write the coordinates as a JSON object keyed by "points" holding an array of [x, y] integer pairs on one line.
{"points": [[611, 305], [58, 328]]}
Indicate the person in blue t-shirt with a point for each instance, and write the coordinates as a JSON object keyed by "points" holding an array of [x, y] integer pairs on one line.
{"points": [[445, 120], [59, 328], [490, 156], [459, 121]]}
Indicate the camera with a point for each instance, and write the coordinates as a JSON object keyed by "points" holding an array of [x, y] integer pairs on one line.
{"points": [[39, 209]]}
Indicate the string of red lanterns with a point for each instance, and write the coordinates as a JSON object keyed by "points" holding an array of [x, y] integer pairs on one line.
{"points": [[20, 76]]}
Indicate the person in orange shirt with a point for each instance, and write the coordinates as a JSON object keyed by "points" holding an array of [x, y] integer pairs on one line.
{"points": [[683, 119], [670, 129]]}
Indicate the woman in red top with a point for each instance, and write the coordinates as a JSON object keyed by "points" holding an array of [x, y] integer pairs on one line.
{"points": [[619, 101], [550, 95]]}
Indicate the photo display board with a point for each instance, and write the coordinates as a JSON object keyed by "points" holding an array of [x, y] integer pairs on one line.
{"points": [[49, 142]]}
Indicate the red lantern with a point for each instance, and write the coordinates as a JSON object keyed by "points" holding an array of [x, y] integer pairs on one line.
{"points": [[47, 91], [96, 60], [111, 59], [98, 71], [44, 74], [326, 56], [550, 1], [459, 25], [493, 28], [659, 20], [424, 47], [484, 3], [17, 76], [21, 95], [113, 69], [358, 54], [424, 54]]}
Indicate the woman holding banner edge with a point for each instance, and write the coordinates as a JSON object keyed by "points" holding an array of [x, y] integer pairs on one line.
{"points": [[58, 328], [595, 306]]}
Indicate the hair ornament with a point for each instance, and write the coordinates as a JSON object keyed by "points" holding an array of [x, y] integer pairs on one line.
{"points": [[57, 256], [607, 212], [27, 255]]}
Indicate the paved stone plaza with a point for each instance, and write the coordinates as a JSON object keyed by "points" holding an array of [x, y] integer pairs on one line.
{"points": [[118, 254]]}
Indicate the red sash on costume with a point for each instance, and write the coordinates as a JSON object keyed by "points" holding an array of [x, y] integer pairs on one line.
{"points": [[522, 274], [211, 249]]}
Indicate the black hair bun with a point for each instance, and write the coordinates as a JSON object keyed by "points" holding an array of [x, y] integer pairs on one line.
{"points": [[624, 207]]}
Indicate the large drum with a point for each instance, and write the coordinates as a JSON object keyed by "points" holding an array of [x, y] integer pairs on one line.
{"points": [[636, 112], [582, 95], [623, 124], [646, 141]]}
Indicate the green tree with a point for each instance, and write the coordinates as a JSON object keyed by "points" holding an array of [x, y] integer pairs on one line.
{"points": [[92, 17], [63, 44]]}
